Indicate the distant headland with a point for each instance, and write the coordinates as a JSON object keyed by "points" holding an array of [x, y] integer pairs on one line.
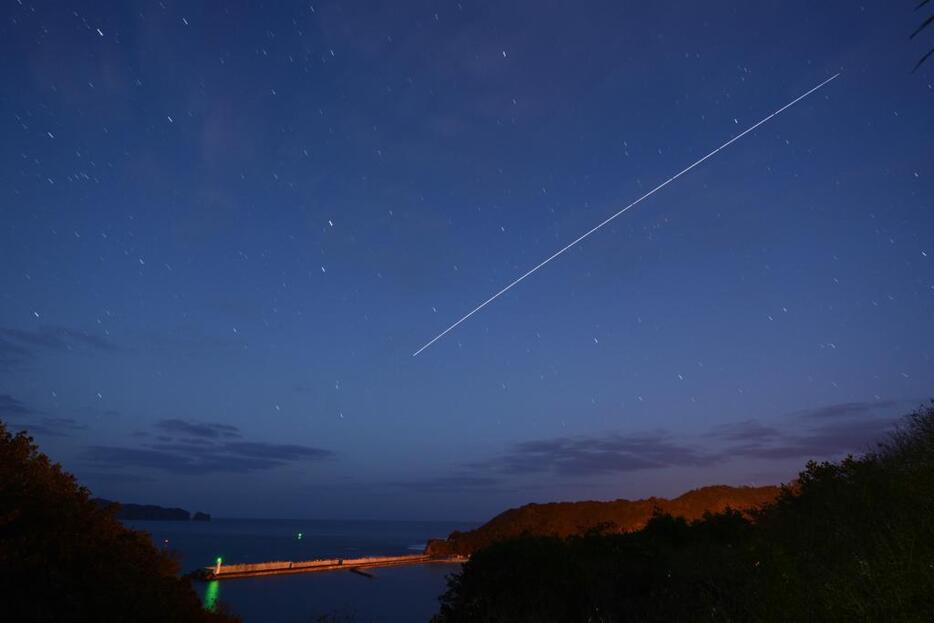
{"points": [[565, 519], [151, 512]]}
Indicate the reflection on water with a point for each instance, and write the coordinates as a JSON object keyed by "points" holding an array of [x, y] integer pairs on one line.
{"points": [[403, 594], [394, 595], [211, 590]]}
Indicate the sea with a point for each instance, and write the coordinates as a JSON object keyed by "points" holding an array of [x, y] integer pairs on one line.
{"points": [[394, 594]]}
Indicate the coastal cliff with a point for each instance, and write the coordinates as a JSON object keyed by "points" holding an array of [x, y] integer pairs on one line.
{"points": [[565, 519]]}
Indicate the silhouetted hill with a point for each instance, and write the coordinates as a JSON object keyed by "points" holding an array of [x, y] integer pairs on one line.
{"points": [[565, 519], [849, 541], [151, 512]]}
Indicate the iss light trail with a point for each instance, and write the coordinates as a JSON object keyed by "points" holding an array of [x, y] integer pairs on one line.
{"points": [[631, 205]]}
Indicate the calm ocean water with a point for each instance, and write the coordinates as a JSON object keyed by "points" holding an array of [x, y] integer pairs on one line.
{"points": [[395, 594]]}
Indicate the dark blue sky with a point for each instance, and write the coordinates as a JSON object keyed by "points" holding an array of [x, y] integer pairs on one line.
{"points": [[225, 228]]}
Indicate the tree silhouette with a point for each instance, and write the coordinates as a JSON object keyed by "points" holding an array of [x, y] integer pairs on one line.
{"points": [[66, 558]]}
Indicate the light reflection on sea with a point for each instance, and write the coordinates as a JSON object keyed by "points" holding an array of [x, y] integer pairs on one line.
{"points": [[394, 594]]}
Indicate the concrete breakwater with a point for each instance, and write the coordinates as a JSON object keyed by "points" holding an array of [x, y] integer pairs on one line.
{"points": [[283, 567]]}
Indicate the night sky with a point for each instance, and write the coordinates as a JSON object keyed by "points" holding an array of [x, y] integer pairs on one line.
{"points": [[225, 228]]}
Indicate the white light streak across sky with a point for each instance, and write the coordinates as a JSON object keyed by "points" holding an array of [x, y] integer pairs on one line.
{"points": [[622, 211]]}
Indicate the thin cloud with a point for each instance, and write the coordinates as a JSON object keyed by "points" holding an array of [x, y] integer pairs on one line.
{"points": [[175, 461], [457, 483], [747, 430], [19, 346], [823, 433], [50, 426], [54, 338], [287, 452], [589, 456], [846, 409], [113, 477], [11, 407], [823, 442], [192, 448], [12, 354], [197, 429]]}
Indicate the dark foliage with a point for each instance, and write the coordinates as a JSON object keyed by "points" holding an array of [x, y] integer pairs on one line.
{"points": [[853, 541], [66, 558]]}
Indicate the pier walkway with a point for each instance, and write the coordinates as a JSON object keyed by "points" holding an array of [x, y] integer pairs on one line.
{"points": [[285, 567]]}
